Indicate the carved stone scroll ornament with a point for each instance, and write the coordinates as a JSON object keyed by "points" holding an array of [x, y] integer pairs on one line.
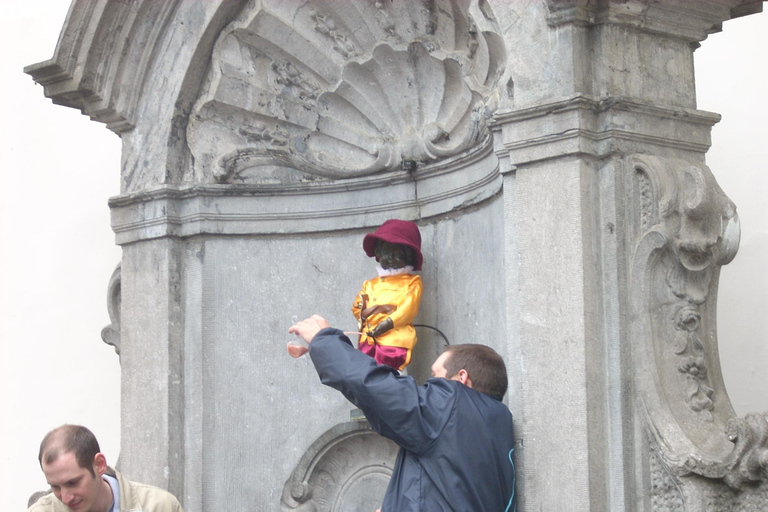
{"points": [[111, 333], [685, 229], [301, 90], [346, 470]]}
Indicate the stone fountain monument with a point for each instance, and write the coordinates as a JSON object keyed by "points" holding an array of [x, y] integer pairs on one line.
{"points": [[551, 153]]}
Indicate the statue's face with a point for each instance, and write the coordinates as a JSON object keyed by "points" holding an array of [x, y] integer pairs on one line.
{"points": [[392, 256]]}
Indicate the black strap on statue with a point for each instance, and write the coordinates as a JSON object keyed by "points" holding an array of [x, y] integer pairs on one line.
{"points": [[435, 329]]}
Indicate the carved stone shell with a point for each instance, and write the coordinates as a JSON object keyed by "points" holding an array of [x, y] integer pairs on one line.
{"points": [[342, 89]]}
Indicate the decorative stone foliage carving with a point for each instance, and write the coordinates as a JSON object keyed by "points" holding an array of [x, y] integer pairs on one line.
{"points": [[683, 203], [685, 229], [346, 470], [749, 461], [298, 91]]}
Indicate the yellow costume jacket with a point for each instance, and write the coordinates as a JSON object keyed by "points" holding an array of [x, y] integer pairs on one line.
{"points": [[399, 297]]}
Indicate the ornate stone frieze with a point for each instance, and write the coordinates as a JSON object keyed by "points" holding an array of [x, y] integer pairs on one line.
{"points": [[346, 470], [685, 229], [302, 91]]}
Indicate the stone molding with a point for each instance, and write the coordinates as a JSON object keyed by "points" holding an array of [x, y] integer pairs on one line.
{"points": [[324, 205], [348, 459], [102, 58], [597, 126], [683, 19], [685, 229]]}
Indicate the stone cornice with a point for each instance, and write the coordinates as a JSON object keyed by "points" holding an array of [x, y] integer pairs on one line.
{"points": [[103, 56], [598, 126], [581, 101], [323, 205], [692, 21]]}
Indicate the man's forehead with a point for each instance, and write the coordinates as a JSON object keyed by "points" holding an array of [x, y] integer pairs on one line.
{"points": [[63, 467]]}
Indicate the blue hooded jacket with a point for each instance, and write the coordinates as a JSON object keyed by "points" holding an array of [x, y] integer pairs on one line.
{"points": [[456, 443]]}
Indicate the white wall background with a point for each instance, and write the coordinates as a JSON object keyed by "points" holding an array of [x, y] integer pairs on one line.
{"points": [[57, 250], [57, 253], [732, 80]]}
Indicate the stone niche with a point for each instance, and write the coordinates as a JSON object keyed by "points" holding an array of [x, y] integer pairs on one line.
{"points": [[551, 153], [261, 141]]}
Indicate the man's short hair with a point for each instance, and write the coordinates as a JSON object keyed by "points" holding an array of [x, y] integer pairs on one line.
{"points": [[70, 438], [483, 364]]}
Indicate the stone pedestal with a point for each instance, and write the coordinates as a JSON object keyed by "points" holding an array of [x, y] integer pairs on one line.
{"points": [[553, 156]]}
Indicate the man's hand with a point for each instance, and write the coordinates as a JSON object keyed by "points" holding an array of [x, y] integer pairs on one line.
{"points": [[306, 329]]}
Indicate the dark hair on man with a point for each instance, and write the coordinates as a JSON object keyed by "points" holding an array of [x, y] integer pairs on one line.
{"points": [[483, 364], [70, 438]]}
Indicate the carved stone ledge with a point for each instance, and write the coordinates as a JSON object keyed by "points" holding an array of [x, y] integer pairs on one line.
{"points": [[346, 470], [598, 126], [683, 230], [311, 206]]}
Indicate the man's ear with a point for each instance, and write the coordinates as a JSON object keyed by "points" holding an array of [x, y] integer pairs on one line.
{"points": [[464, 378], [99, 464]]}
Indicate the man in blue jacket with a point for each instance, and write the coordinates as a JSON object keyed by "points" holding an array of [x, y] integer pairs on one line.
{"points": [[454, 432]]}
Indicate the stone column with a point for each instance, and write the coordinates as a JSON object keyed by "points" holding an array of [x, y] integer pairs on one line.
{"points": [[591, 89]]}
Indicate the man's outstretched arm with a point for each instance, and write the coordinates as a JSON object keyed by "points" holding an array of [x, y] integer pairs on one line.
{"points": [[396, 407]]}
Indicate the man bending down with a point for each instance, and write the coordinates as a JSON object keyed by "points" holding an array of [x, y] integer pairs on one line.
{"points": [[81, 481], [454, 432]]}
